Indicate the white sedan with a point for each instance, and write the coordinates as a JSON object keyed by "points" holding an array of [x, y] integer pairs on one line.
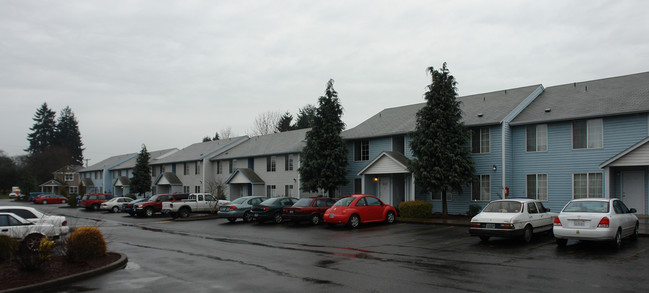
{"points": [[59, 223], [597, 219], [28, 233], [115, 204], [513, 217]]}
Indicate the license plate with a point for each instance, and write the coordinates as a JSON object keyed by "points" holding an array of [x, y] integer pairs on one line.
{"points": [[579, 223], [256, 215], [490, 226], [290, 212], [331, 216]]}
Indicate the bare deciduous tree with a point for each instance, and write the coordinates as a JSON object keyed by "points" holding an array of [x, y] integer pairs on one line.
{"points": [[266, 122], [226, 133]]}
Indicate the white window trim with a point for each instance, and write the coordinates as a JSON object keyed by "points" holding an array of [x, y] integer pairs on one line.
{"points": [[536, 175], [588, 184], [588, 121]]}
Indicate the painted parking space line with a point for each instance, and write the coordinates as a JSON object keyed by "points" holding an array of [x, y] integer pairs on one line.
{"points": [[540, 245], [637, 253]]}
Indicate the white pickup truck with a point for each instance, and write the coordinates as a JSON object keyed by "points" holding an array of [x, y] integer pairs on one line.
{"points": [[195, 203]]}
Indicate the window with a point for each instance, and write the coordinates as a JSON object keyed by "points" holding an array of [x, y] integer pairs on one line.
{"points": [[288, 190], [74, 190], [270, 191], [197, 167], [481, 188], [185, 189], [288, 163], [197, 189], [185, 168], [152, 172], [588, 134], [371, 201], [437, 195], [358, 186], [69, 177], [362, 150], [480, 140], [231, 166], [587, 185], [271, 164], [537, 186], [162, 169], [537, 138], [219, 167]]}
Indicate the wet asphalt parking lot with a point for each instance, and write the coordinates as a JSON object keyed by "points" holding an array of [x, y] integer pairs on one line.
{"points": [[217, 256]]}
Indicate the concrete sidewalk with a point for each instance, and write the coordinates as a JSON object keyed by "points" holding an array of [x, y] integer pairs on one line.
{"points": [[459, 221]]}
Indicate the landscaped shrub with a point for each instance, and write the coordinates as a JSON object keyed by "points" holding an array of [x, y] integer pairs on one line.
{"points": [[85, 243], [45, 248], [415, 209], [474, 209], [72, 201], [8, 246]]}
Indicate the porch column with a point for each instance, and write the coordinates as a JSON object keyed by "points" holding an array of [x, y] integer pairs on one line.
{"points": [[607, 182]]}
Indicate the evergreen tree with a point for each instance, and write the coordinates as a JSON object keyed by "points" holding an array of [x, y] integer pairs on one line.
{"points": [[324, 158], [43, 135], [284, 123], [441, 160], [141, 180], [68, 137], [304, 117], [207, 138]]}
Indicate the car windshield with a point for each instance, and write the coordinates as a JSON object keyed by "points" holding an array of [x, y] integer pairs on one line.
{"points": [[239, 200], [503, 207], [344, 202], [586, 207], [304, 202]]}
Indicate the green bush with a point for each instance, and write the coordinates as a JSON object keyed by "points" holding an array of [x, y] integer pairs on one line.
{"points": [[8, 246], [474, 209], [72, 201], [415, 209], [85, 243]]}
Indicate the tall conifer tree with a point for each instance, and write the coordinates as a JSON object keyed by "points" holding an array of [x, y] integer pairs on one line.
{"points": [[43, 135], [442, 161], [141, 180], [68, 136], [324, 158]]}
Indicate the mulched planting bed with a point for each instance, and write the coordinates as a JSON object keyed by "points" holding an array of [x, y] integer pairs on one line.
{"points": [[11, 276]]}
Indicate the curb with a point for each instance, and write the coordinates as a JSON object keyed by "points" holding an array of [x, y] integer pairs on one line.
{"points": [[119, 264]]}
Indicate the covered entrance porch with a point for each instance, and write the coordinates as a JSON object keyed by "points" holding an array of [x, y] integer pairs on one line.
{"points": [[388, 178], [627, 177], [244, 182]]}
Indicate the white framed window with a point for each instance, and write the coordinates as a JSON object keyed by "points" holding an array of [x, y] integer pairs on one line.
{"points": [[362, 150], [537, 138], [288, 160], [73, 190], [185, 189], [587, 185], [588, 134], [271, 164], [185, 169], [69, 177], [288, 190], [437, 196], [480, 141], [197, 167], [481, 188], [197, 189], [271, 191], [537, 186]]}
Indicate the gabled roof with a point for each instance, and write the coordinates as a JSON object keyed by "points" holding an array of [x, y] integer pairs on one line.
{"points": [[581, 100], [53, 182], [391, 162], [168, 178], [202, 150], [248, 174], [108, 163], [155, 156], [69, 168], [478, 110], [88, 182], [122, 181], [264, 145], [641, 145]]}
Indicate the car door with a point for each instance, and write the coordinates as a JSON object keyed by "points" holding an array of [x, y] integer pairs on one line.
{"points": [[545, 219], [534, 215], [210, 202], [626, 218], [374, 208], [12, 227]]}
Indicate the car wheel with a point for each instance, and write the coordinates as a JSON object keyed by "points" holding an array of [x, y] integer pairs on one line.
{"points": [[484, 238], [247, 217], [636, 233], [277, 218], [32, 242], [95, 207], [132, 214], [173, 215], [148, 212], [315, 219], [389, 218], [562, 242], [354, 221], [64, 201], [115, 209], [232, 220], [527, 234], [44, 202], [184, 212], [617, 242]]}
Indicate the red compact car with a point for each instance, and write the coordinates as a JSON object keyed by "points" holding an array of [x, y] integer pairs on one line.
{"points": [[50, 198], [355, 209], [308, 209]]}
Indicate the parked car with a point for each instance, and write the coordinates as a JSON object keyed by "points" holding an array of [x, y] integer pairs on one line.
{"points": [[271, 209], [195, 203], [37, 217], [154, 204], [596, 219], [512, 217], [26, 232], [129, 207], [33, 195], [240, 208], [94, 201], [355, 209], [308, 209], [15, 192], [50, 198], [114, 204]]}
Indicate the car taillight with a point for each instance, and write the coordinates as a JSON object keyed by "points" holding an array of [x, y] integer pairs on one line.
{"points": [[65, 223], [603, 223], [265, 208], [506, 226], [232, 208], [475, 225], [557, 222]]}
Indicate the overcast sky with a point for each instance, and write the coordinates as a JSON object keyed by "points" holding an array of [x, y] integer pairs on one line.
{"points": [[168, 73]]}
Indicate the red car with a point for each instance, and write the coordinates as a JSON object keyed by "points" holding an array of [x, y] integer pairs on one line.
{"points": [[94, 201], [308, 209], [154, 204], [355, 209], [50, 198]]}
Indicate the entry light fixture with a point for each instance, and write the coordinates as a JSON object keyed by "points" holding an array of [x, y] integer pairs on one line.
{"points": [[494, 168], [375, 179]]}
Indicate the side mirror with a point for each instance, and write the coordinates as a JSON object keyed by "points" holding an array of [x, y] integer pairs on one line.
{"points": [[633, 211]]}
